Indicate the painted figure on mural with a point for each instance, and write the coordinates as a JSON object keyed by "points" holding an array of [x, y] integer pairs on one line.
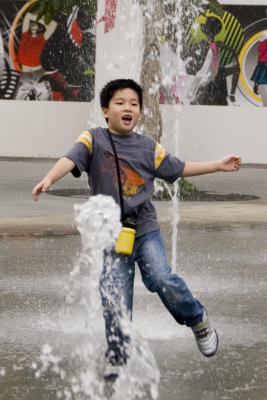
{"points": [[53, 61], [33, 39], [259, 75], [203, 62], [70, 53], [206, 70]]}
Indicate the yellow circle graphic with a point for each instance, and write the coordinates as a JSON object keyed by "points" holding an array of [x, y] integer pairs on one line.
{"points": [[242, 57], [12, 53]]}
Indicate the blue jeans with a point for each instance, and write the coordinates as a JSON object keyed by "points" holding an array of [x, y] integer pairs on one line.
{"points": [[117, 283]]}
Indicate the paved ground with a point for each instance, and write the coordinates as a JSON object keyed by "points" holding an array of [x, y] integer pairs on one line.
{"points": [[53, 215], [222, 256]]}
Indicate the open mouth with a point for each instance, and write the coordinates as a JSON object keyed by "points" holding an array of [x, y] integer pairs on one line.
{"points": [[127, 118]]}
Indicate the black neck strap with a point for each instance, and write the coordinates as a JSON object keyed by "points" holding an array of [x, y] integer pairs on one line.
{"points": [[118, 174]]}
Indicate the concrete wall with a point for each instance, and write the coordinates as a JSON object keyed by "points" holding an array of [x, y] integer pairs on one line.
{"points": [[215, 131], [39, 128], [45, 129], [48, 129]]}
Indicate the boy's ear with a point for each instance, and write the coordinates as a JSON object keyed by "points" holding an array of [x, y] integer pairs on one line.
{"points": [[105, 112]]}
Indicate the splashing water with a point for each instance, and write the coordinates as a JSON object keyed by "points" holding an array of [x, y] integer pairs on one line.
{"points": [[98, 222], [178, 16]]}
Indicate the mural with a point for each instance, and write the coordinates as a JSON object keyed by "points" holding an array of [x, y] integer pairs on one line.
{"points": [[39, 61], [222, 56], [223, 60]]}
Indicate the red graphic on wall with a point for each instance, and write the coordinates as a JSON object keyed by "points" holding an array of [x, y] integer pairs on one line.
{"points": [[109, 15]]}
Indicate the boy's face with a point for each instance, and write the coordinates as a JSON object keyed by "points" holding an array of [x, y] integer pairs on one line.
{"points": [[123, 111]]}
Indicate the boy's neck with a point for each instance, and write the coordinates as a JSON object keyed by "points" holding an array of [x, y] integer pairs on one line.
{"points": [[120, 133]]}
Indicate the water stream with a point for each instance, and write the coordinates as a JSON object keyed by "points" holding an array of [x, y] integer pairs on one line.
{"points": [[98, 221]]}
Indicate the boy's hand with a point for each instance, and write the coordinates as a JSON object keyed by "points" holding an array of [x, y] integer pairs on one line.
{"points": [[40, 188], [60, 169], [230, 163]]}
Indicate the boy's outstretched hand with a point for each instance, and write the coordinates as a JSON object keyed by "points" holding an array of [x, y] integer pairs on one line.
{"points": [[61, 168], [230, 163], [40, 188]]}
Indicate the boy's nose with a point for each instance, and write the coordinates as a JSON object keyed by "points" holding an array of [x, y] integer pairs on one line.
{"points": [[128, 107]]}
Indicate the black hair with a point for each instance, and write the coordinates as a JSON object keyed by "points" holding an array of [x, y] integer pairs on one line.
{"points": [[118, 84], [211, 27], [84, 20], [41, 27]]}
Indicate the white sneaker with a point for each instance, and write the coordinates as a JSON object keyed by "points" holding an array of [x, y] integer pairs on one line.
{"points": [[112, 371], [206, 336]]}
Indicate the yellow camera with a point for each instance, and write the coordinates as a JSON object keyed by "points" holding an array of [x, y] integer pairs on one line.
{"points": [[125, 241]]}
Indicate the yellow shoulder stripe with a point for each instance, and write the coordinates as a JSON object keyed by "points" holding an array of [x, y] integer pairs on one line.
{"points": [[159, 154], [86, 138]]}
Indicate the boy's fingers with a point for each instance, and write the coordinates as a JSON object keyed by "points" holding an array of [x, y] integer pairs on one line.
{"points": [[36, 191], [35, 194], [44, 188], [35, 197]]}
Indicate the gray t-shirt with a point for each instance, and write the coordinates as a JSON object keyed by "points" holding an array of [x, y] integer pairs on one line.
{"points": [[141, 160]]}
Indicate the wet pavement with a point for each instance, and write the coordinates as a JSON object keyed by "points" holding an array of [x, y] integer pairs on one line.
{"points": [[222, 255]]}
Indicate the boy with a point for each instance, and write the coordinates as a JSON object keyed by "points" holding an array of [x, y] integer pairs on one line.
{"points": [[140, 160]]}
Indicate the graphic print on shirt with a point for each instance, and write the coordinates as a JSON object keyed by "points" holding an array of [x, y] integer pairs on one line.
{"points": [[131, 181]]}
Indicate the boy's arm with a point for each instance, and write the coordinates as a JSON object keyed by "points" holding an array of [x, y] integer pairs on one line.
{"points": [[60, 169], [227, 164]]}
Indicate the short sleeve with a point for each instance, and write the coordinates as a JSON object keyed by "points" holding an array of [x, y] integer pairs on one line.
{"points": [[81, 153], [80, 156], [167, 167]]}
